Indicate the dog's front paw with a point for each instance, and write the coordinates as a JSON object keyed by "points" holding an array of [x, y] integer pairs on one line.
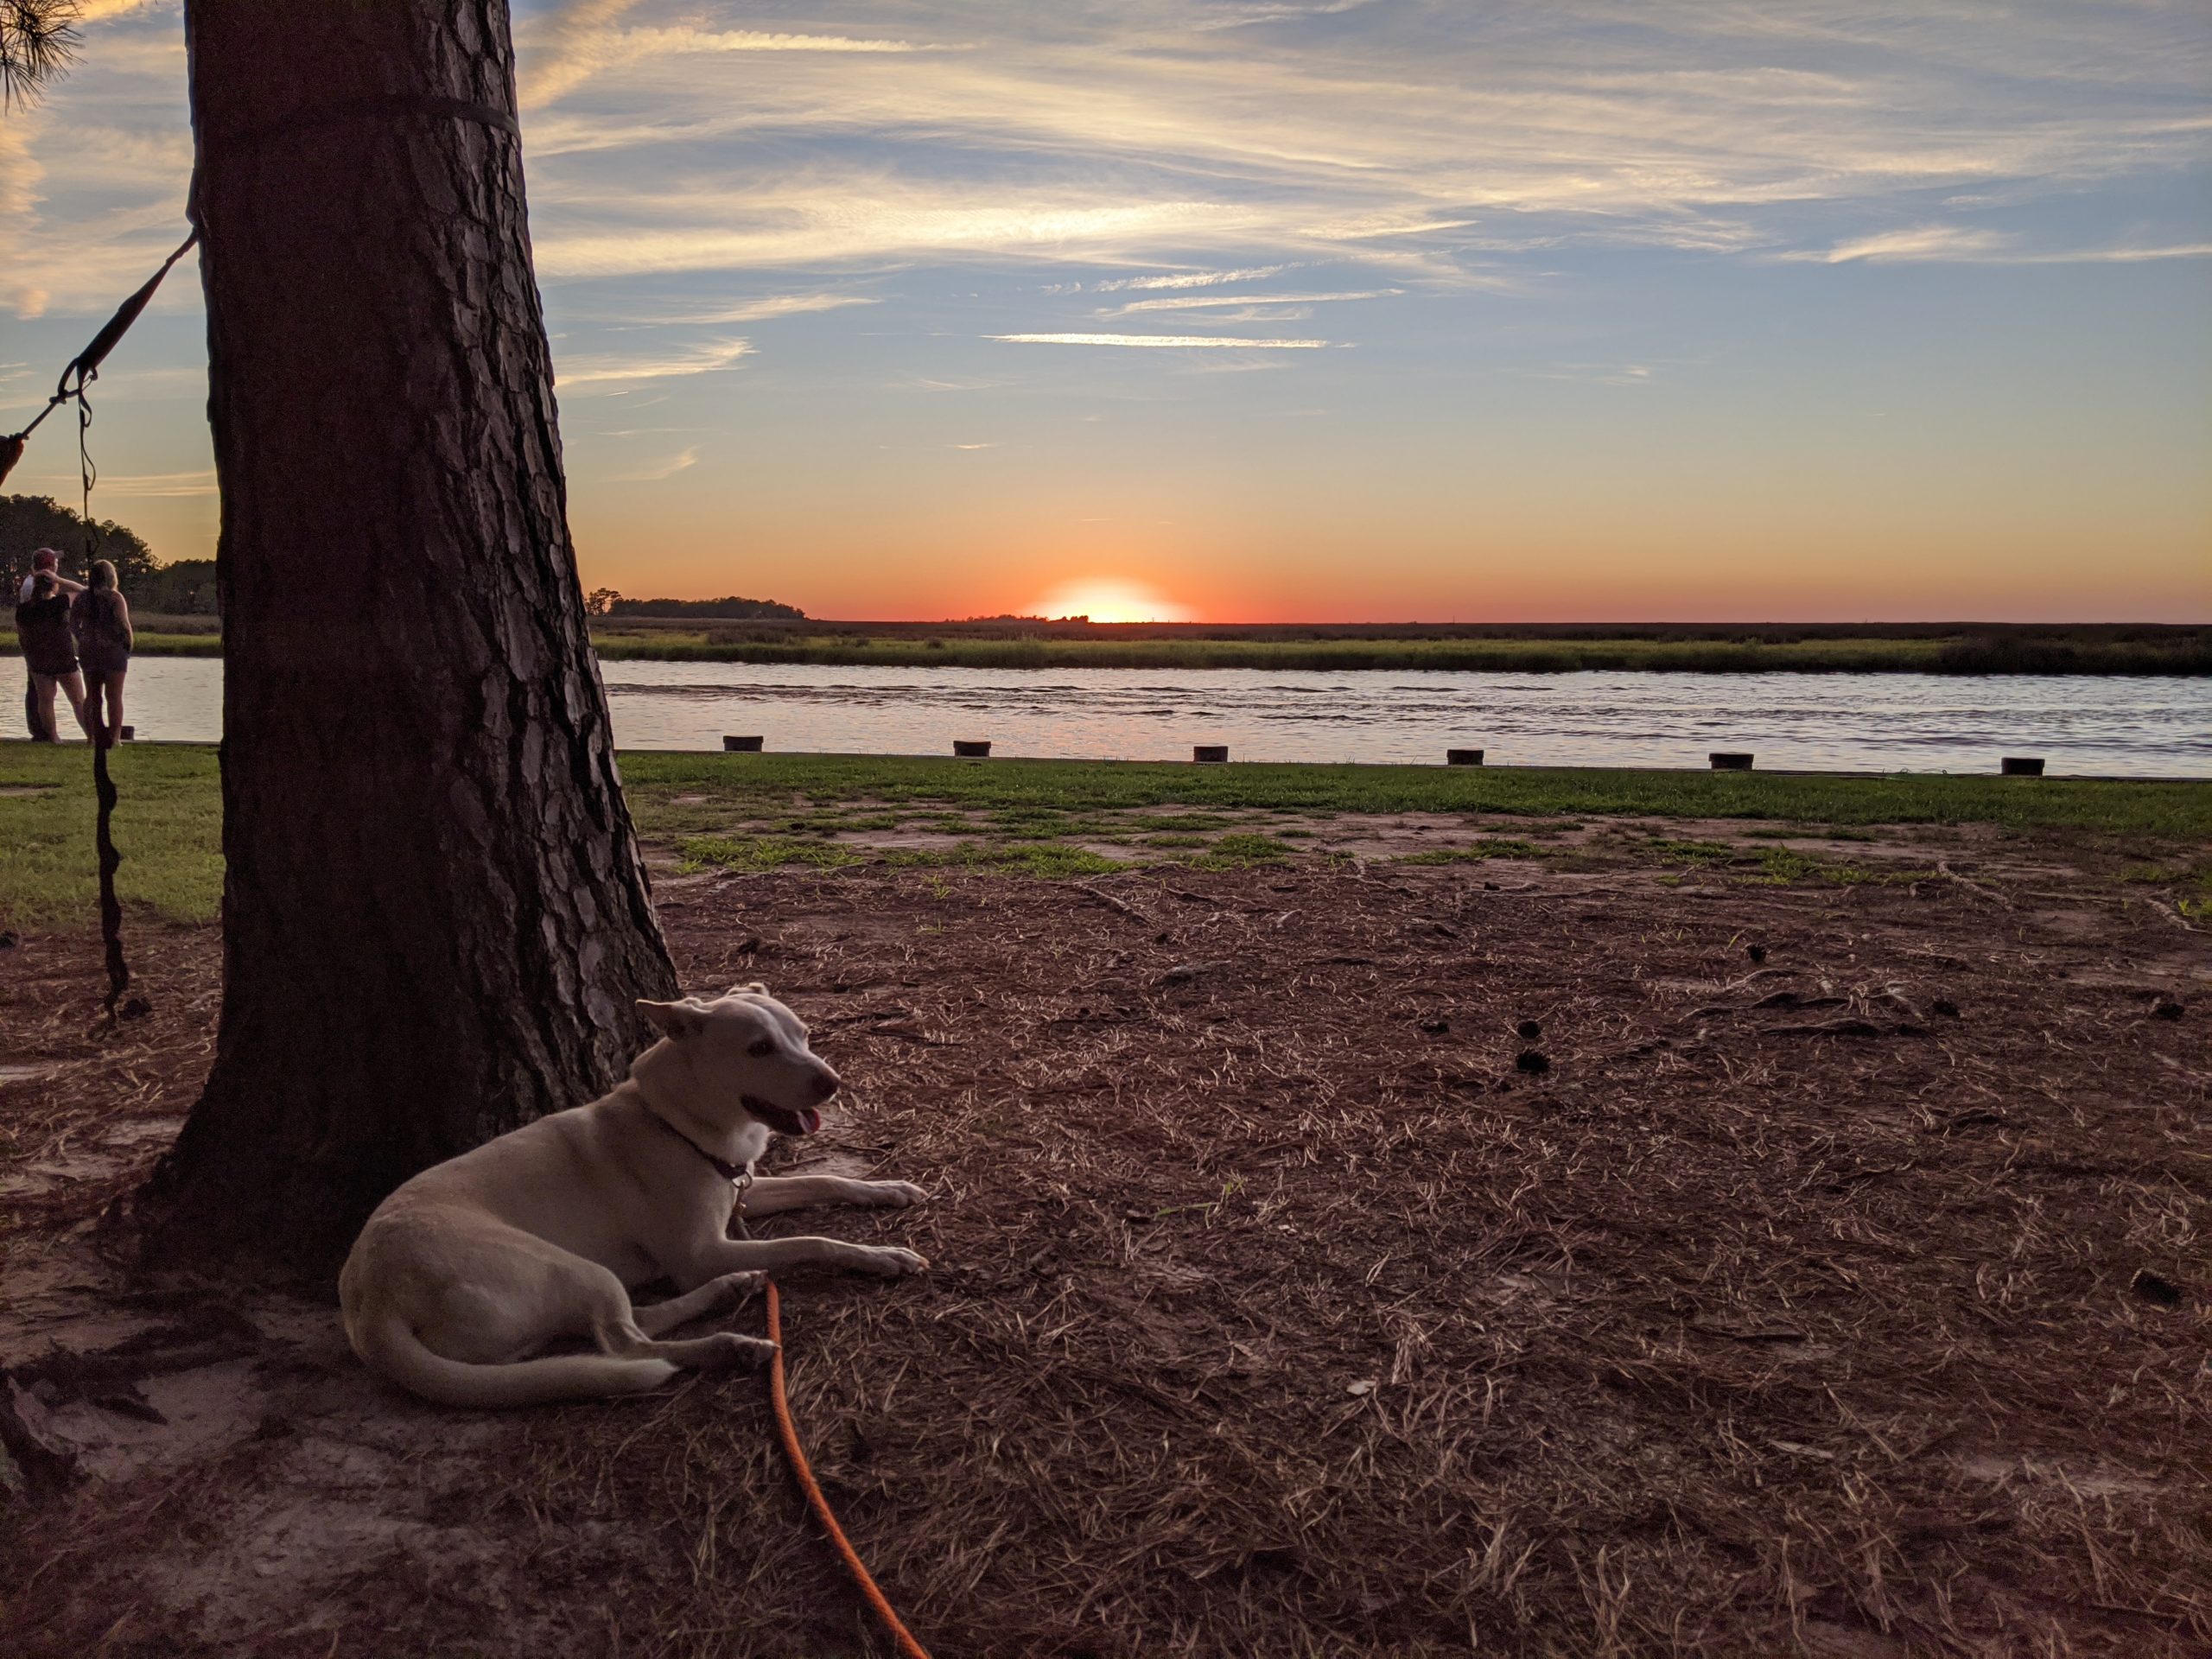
{"points": [[734, 1289], [888, 1262], [894, 1195], [731, 1352]]}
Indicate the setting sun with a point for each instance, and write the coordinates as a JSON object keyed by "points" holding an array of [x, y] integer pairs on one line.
{"points": [[1109, 599]]}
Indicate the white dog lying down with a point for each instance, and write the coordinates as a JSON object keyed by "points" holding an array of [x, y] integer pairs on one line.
{"points": [[476, 1264]]}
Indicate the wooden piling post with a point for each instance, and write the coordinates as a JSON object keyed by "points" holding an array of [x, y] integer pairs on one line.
{"points": [[971, 748], [2021, 765], [741, 745], [1463, 757], [1730, 761], [1209, 753]]}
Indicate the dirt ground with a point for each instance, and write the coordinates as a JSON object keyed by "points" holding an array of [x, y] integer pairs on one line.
{"points": [[1585, 1255]]}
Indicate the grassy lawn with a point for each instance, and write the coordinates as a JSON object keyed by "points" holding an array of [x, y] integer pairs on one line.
{"points": [[1026, 817], [169, 826], [656, 780]]}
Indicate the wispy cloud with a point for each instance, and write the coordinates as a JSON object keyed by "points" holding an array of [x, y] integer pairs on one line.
{"points": [[563, 51], [1177, 342], [139, 485], [1210, 301], [581, 41], [1191, 279], [772, 306], [1923, 242], [1983, 247], [654, 472], [849, 221], [600, 369], [1246, 16], [1421, 137]]}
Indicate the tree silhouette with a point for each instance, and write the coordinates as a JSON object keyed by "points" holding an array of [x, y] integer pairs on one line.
{"points": [[434, 916]]}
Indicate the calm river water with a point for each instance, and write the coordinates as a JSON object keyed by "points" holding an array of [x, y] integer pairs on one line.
{"points": [[2124, 727]]}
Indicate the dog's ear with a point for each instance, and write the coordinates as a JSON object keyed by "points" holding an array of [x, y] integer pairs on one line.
{"points": [[756, 989], [676, 1020]]}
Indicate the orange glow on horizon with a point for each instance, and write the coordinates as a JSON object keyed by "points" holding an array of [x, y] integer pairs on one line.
{"points": [[1111, 598]]}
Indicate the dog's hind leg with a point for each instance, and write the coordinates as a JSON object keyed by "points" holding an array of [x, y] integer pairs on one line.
{"points": [[715, 1296], [723, 1351], [618, 1327]]}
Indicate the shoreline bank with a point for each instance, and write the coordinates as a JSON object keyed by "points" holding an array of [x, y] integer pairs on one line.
{"points": [[2189, 658]]}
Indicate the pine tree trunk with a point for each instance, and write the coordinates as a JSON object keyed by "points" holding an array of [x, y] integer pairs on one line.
{"points": [[434, 916]]}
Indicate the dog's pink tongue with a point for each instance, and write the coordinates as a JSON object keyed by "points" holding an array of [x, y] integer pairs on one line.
{"points": [[810, 1118]]}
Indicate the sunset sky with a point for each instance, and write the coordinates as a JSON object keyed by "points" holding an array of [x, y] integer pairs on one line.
{"points": [[1359, 309]]}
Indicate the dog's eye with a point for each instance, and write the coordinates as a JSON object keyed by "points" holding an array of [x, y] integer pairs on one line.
{"points": [[762, 1050]]}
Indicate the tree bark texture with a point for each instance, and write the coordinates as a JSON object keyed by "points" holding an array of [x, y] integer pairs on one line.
{"points": [[434, 916]]}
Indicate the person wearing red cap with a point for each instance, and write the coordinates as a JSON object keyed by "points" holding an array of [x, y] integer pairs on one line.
{"points": [[46, 559]]}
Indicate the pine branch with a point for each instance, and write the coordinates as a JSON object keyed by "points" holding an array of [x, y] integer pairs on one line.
{"points": [[38, 41]]}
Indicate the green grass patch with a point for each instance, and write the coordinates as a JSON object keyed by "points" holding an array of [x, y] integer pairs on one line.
{"points": [[1180, 824], [1053, 860], [1241, 853], [2160, 875], [1500, 846], [1780, 867], [1690, 852], [762, 853]]}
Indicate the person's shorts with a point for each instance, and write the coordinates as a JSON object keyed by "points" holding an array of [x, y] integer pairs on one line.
{"points": [[54, 667], [104, 662]]}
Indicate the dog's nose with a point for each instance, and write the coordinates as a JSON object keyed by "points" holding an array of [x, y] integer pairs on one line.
{"points": [[825, 1084]]}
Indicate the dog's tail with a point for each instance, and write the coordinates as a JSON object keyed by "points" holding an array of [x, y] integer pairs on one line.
{"points": [[391, 1348]]}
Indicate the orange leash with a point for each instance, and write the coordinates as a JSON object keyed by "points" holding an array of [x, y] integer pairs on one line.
{"points": [[792, 1450]]}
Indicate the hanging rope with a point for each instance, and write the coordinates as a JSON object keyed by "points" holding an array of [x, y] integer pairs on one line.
{"points": [[76, 378], [85, 367], [119, 970], [97, 693]]}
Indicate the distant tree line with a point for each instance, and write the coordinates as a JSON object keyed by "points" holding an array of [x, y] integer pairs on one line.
{"points": [[605, 602], [185, 588]]}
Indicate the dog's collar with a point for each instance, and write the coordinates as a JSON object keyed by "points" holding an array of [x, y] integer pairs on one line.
{"points": [[741, 1174]]}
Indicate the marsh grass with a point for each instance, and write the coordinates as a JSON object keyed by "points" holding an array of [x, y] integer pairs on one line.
{"points": [[1754, 649], [1971, 654]]}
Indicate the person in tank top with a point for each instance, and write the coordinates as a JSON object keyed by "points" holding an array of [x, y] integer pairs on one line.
{"points": [[100, 617]]}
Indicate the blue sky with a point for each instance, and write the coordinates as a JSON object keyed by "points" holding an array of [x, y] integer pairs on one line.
{"points": [[1372, 309]]}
